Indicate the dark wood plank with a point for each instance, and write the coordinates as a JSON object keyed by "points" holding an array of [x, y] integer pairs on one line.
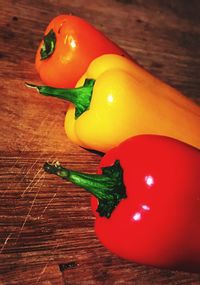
{"points": [[43, 275], [44, 222]]}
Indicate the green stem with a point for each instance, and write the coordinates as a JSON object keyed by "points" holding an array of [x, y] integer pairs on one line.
{"points": [[48, 46], [80, 96], [107, 187]]}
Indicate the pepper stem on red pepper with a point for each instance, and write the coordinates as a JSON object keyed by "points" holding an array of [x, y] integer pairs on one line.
{"points": [[48, 46], [107, 187], [80, 96]]}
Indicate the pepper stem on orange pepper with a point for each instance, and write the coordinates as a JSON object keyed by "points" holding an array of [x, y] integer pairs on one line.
{"points": [[80, 96], [107, 187], [48, 46]]}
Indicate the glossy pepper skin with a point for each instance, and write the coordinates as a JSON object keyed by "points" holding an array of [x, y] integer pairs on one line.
{"points": [[119, 99], [146, 200], [69, 45]]}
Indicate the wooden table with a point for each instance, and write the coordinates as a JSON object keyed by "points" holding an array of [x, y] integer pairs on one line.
{"points": [[46, 234]]}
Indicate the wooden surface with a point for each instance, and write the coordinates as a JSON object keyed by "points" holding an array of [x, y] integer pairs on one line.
{"points": [[46, 226]]}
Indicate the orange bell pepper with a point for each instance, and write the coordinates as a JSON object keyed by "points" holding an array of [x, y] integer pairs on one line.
{"points": [[69, 45]]}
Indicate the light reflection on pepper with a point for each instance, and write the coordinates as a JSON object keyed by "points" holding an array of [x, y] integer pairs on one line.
{"points": [[138, 215], [149, 180]]}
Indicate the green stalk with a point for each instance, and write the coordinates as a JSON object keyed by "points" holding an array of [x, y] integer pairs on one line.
{"points": [[107, 187], [49, 45], [80, 96]]}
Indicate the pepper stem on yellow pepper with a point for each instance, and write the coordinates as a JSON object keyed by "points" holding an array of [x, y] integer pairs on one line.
{"points": [[80, 96], [107, 187]]}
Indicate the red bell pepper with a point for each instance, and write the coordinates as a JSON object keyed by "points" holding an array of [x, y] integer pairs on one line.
{"points": [[146, 199]]}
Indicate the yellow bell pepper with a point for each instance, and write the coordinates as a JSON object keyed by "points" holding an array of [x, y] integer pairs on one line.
{"points": [[116, 99]]}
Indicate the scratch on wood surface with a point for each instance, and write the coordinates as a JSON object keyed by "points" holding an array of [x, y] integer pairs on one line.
{"points": [[32, 166], [48, 204], [8, 188], [5, 243], [23, 176], [33, 182], [46, 265], [30, 186], [30, 209], [26, 148], [50, 201]]}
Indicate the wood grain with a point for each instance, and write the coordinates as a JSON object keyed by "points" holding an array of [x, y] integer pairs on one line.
{"points": [[46, 234]]}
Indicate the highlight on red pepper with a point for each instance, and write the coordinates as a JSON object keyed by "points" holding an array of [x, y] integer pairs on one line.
{"points": [[116, 99], [70, 43], [146, 200]]}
